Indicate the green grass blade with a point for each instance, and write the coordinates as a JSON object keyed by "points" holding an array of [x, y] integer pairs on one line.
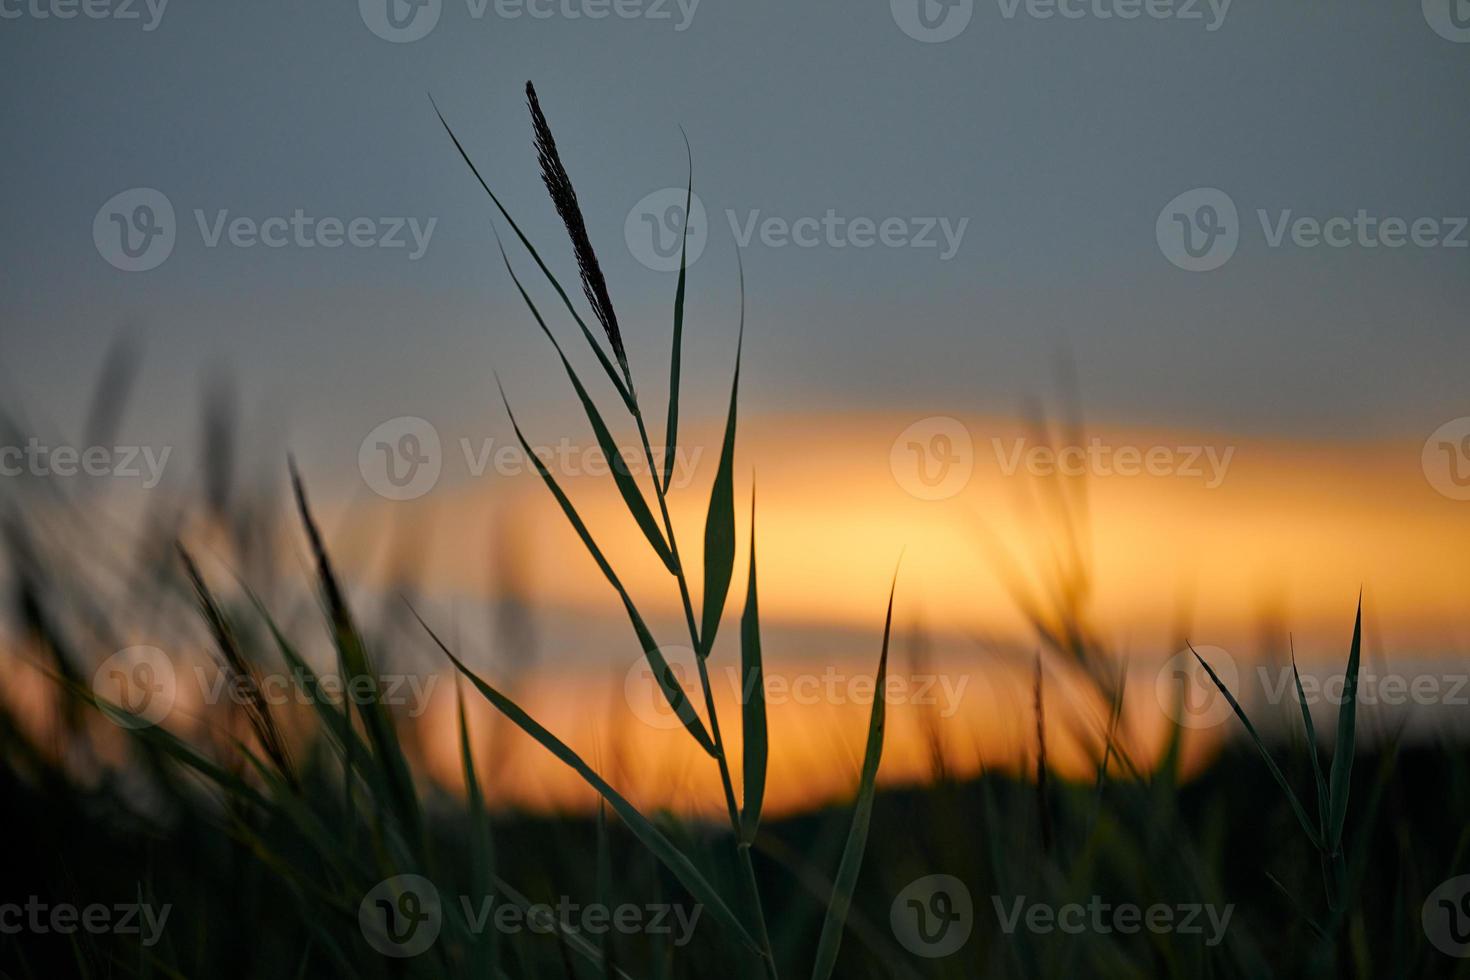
{"points": [[1276, 774], [627, 486], [649, 835], [857, 837], [671, 431], [607, 364], [1343, 750], [485, 954], [672, 690], [752, 702], [360, 676], [719, 522], [1301, 697]]}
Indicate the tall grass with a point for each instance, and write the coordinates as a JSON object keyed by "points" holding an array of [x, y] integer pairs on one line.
{"points": [[269, 830]]}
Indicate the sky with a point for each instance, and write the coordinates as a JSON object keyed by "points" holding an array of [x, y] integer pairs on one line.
{"points": [[1050, 144], [1242, 226]]}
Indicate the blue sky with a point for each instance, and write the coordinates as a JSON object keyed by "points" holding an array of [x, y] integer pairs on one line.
{"points": [[1056, 140]]}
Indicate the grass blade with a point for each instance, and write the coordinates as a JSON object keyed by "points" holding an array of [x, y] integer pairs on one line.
{"points": [[752, 702], [607, 365], [671, 431], [482, 868], [663, 674], [359, 674], [651, 837], [719, 522], [857, 837], [632, 497], [1343, 750], [1276, 774], [1301, 697]]}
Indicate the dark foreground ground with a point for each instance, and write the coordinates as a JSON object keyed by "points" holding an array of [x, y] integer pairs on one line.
{"points": [[1210, 879]]}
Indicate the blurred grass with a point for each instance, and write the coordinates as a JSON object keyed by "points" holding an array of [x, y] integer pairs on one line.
{"points": [[265, 829]]}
